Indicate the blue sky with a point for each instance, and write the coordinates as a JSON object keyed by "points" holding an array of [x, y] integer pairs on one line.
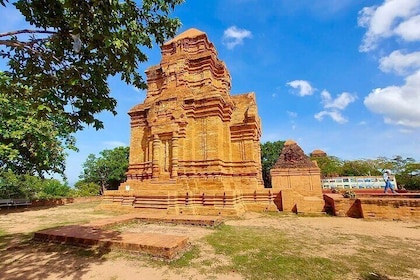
{"points": [[342, 76]]}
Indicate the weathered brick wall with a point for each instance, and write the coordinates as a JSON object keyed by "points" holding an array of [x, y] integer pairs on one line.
{"points": [[298, 179]]}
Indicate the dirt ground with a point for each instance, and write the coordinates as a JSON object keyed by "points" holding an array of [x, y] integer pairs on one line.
{"points": [[30, 260]]}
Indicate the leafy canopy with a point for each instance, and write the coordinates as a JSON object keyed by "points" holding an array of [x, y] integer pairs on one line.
{"points": [[31, 187], [270, 152], [74, 46], [32, 141], [56, 81], [108, 170], [86, 189]]}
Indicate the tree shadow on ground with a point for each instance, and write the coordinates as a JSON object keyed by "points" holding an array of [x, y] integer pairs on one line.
{"points": [[23, 258], [20, 209]]}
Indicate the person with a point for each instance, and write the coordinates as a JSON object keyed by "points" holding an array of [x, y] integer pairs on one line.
{"points": [[387, 179]]}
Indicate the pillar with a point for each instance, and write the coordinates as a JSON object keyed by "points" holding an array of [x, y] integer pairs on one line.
{"points": [[155, 160], [175, 152]]}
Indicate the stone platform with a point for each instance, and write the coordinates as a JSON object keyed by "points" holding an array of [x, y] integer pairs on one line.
{"points": [[400, 206], [97, 234]]}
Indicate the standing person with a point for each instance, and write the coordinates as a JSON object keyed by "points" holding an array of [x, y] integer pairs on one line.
{"points": [[387, 180]]}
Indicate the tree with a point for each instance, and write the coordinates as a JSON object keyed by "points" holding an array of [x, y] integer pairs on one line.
{"points": [[330, 165], [31, 141], [270, 152], [9, 185], [359, 168], [52, 188], [58, 68], [406, 170], [31, 187], [83, 188], [108, 170]]}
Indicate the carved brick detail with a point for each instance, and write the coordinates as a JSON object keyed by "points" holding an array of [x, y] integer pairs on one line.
{"points": [[191, 136]]}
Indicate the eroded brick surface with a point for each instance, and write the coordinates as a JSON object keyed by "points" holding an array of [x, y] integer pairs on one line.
{"points": [[194, 148]]}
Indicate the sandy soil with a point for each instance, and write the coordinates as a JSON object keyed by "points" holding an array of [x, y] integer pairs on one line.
{"points": [[29, 260]]}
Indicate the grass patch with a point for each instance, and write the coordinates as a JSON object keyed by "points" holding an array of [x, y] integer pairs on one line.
{"points": [[82, 205], [268, 254], [17, 239], [261, 253], [383, 258], [255, 252], [186, 259]]}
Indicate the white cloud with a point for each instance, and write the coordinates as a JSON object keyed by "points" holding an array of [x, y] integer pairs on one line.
{"points": [[292, 114], [234, 36], [114, 144], [304, 87], [409, 30], [334, 115], [392, 18], [334, 106], [398, 104], [400, 63], [340, 103]]}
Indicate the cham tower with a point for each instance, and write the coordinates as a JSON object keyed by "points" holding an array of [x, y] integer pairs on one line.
{"points": [[194, 147], [297, 181]]}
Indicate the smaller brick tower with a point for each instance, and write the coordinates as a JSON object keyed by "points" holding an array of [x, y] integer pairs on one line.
{"points": [[297, 181]]}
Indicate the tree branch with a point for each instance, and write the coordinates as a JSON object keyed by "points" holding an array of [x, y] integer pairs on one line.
{"points": [[24, 31], [28, 46]]}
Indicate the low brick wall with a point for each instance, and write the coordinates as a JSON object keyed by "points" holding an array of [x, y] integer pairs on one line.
{"points": [[337, 205], [376, 206], [391, 208], [63, 201]]}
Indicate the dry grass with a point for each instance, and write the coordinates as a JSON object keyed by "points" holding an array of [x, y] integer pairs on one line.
{"points": [[258, 246]]}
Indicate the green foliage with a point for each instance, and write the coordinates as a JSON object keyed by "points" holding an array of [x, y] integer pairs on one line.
{"points": [[10, 185], [406, 170], [359, 168], [83, 188], [108, 170], [31, 187], [408, 175], [330, 166], [270, 152], [56, 81], [74, 47], [53, 188], [31, 140]]}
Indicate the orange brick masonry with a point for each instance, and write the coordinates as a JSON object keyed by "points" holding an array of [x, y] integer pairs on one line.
{"points": [[95, 234]]}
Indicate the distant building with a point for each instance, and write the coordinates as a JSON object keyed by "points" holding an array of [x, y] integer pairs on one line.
{"points": [[355, 182], [318, 154]]}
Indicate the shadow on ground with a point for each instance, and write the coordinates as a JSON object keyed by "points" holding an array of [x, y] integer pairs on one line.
{"points": [[22, 258]]}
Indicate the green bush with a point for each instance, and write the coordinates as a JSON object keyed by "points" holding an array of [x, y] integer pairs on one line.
{"points": [[82, 188], [53, 188], [31, 187]]}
